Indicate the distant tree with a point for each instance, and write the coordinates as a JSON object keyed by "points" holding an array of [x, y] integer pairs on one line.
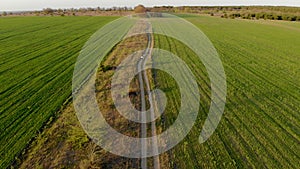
{"points": [[82, 10], [90, 9], [48, 11], [114, 8], [36, 13], [98, 9], [140, 9], [4, 13]]}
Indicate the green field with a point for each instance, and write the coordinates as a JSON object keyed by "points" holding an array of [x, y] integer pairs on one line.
{"points": [[37, 56], [261, 124]]}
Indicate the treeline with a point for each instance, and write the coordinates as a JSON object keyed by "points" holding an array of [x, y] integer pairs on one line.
{"points": [[248, 12], [269, 16], [6, 13], [79, 11], [73, 11], [243, 12]]}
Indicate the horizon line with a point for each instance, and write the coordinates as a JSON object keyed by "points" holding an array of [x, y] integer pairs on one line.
{"points": [[267, 5]]}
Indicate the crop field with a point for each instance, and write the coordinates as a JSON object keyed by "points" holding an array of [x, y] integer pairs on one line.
{"points": [[66, 135], [260, 127], [37, 56]]}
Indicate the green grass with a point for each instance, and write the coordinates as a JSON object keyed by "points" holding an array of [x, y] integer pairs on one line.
{"points": [[37, 56], [261, 124]]}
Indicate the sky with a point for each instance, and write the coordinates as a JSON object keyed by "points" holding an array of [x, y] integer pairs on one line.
{"points": [[21, 5]]}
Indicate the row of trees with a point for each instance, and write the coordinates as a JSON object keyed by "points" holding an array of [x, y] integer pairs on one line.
{"points": [[6, 13], [83, 10], [74, 11], [246, 12], [137, 9], [270, 16], [49, 10], [71, 11]]}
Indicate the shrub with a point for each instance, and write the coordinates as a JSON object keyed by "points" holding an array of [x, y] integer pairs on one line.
{"points": [[286, 17], [107, 68], [225, 15], [248, 16], [262, 15], [237, 15], [293, 18], [257, 16], [279, 17]]}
